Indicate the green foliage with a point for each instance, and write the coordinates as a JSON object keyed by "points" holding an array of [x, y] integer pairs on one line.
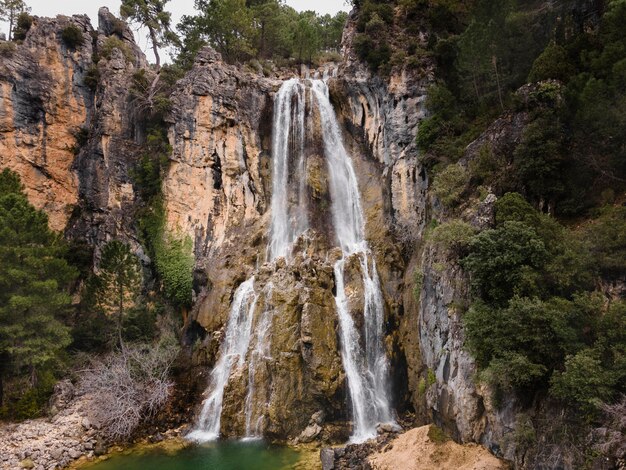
{"points": [[552, 63], [34, 276], [512, 207], [113, 42], [533, 325], [485, 166], [172, 255], [154, 161], [32, 402], [505, 261], [10, 11], [263, 29], [418, 281], [450, 184], [72, 36], [454, 236], [574, 142], [519, 346], [584, 382], [606, 238], [539, 158], [118, 281], [174, 262], [152, 15], [92, 77], [7, 49], [22, 26], [437, 435]]}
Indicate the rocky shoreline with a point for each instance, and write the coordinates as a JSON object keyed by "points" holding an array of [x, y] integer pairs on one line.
{"points": [[50, 443]]}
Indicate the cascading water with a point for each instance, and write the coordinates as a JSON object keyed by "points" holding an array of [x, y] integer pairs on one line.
{"points": [[289, 220], [289, 212], [232, 353], [259, 355], [366, 367], [367, 371]]}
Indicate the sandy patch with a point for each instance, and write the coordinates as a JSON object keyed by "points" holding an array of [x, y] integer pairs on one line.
{"points": [[414, 450]]}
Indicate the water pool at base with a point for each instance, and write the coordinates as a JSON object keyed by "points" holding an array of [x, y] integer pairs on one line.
{"points": [[223, 455]]}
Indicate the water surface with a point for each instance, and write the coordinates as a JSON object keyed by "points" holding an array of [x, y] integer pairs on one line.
{"points": [[223, 455]]}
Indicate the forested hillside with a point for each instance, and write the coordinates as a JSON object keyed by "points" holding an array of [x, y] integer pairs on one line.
{"points": [[547, 315]]}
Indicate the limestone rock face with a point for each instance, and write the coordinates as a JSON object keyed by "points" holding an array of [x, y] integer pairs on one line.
{"points": [[73, 146], [43, 104]]}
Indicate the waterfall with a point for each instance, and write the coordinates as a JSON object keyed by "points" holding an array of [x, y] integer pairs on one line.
{"points": [[259, 355], [367, 371], [289, 212], [362, 352], [232, 353]]}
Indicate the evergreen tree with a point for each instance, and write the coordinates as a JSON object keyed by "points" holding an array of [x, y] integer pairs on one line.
{"points": [[152, 15], [118, 283], [10, 10], [34, 277]]}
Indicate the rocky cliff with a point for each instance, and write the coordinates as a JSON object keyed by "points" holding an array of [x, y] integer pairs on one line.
{"points": [[75, 147]]}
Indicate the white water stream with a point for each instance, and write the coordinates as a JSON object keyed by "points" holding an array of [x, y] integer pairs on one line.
{"points": [[232, 353], [366, 368]]}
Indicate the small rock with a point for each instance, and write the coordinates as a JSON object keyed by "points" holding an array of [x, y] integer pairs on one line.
{"points": [[85, 423], [27, 463], [388, 428], [327, 456], [310, 433], [317, 417], [100, 448]]}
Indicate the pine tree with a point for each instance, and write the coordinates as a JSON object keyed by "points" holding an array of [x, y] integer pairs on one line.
{"points": [[118, 282], [10, 10], [34, 277]]}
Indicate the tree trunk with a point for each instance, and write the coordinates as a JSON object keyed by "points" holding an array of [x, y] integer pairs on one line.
{"points": [[494, 61], [11, 17], [120, 310], [153, 85], [155, 48]]}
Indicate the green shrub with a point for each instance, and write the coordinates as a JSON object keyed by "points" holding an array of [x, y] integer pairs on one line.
{"points": [[418, 281], [606, 238], [450, 184], [485, 166], [518, 346], [92, 77], [505, 261], [553, 63], [7, 49], [584, 382], [72, 36], [22, 26], [453, 236], [437, 435], [512, 207], [113, 42]]}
